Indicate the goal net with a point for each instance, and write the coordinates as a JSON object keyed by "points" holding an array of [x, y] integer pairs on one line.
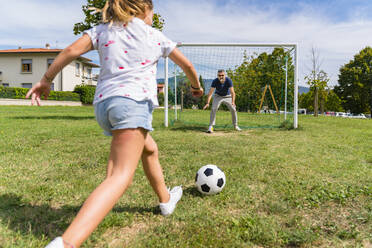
{"points": [[264, 79]]}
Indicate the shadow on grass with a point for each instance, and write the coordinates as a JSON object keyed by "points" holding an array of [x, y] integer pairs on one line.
{"points": [[229, 128], [142, 210], [192, 191], [189, 128], [54, 117], [43, 220]]}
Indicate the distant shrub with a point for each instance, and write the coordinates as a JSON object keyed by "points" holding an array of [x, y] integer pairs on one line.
{"points": [[20, 93], [286, 125], [161, 98], [86, 93], [64, 96]]}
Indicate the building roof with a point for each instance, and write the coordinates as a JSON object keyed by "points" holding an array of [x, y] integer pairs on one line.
{"points": [[45, 50], [31, 50]]}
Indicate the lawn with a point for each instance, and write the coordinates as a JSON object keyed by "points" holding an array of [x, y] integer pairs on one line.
{"points": [[310, 187], [223, 119]]}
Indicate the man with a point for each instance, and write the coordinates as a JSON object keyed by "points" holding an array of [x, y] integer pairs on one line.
{"points": [[223, 93]]}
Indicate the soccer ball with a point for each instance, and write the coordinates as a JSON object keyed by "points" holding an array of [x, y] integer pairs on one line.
{"points": [[210, 179]]}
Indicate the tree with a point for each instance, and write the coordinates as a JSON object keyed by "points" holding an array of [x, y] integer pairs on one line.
{"points": [[331, 101], [257, 71], [184, 92], [203, 99], [318, 86], [93, 18], [355, 83], [306, 101], [318, 81]]}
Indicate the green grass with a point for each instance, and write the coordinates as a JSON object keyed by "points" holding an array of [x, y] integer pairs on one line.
{"points": [[223, 119], [310, 187]]}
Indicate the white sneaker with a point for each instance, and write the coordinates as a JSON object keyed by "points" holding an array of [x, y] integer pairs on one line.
{"points": [[175, 195], [210, 129], [56, 243], [237, 128]]}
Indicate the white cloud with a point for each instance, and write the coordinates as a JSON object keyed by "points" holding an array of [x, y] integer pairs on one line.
{"points": [[34, 23], [203, 21]]}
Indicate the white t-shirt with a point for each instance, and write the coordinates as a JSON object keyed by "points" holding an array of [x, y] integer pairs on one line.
{"points": [[129, 55]]}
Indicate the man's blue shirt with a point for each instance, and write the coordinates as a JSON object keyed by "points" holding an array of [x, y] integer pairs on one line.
{"points": [[222, 89]]}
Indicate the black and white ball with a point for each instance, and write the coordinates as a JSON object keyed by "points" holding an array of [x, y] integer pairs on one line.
{"points": [[210, 179]]}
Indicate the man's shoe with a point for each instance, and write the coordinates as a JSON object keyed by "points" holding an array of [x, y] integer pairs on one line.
{"points": [[237, 128], [210, 129]]}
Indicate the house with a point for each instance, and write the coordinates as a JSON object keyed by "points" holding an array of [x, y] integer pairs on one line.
{"points": [[25, 67], [160, 88]]}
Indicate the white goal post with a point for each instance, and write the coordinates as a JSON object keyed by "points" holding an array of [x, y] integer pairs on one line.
{"points": [[293, 47]]}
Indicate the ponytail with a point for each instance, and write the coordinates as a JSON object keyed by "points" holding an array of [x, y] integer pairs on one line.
{"points": [[124, 10]]}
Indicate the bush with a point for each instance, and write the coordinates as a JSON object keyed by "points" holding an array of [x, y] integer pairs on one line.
{"points": [[286, 125], [161, 98], [20, 93], [64, 96], [12, 92], [86, 93]]}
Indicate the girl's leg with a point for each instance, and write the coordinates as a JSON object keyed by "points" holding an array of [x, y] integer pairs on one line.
{"points": [[126, 149], [153, 170], [110, 165]]}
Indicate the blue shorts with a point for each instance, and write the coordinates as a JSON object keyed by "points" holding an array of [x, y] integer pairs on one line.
{"points": [[123, 113]]}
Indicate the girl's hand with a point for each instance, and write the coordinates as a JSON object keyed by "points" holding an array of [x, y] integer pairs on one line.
{"points": [[197, 92], [39, 89], [206, 106]]}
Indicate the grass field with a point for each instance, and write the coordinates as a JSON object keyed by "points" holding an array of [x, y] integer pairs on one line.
{"points": [[310, 187], [224, 120]]}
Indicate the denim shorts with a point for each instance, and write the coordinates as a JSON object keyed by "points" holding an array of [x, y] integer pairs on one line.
{"points": [[123, 113]]}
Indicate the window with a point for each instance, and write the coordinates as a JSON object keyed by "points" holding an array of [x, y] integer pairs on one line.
{"points": [[89, 72], [5, 85], [49, 62], [52, 86], [77, 69], [26, 66], [27, 85]]}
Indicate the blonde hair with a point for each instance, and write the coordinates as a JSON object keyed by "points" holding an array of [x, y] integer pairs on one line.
{"points": [[124, 10]]}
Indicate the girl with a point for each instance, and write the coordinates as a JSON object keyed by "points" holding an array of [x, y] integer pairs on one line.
{"points": [[126, 95]]}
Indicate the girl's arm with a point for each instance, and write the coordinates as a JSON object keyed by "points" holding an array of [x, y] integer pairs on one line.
{"points": [[177, 57], [69, 54]]}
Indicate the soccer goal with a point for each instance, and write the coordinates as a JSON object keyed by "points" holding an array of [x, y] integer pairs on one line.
{"points": [[264, 78]]}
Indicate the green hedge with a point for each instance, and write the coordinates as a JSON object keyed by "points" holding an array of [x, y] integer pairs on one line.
{"points": [[20, 93], [161, 98], [86, 93]]}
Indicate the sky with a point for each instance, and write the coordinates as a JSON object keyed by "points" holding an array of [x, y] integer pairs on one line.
{"points": [[337, 29]]}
